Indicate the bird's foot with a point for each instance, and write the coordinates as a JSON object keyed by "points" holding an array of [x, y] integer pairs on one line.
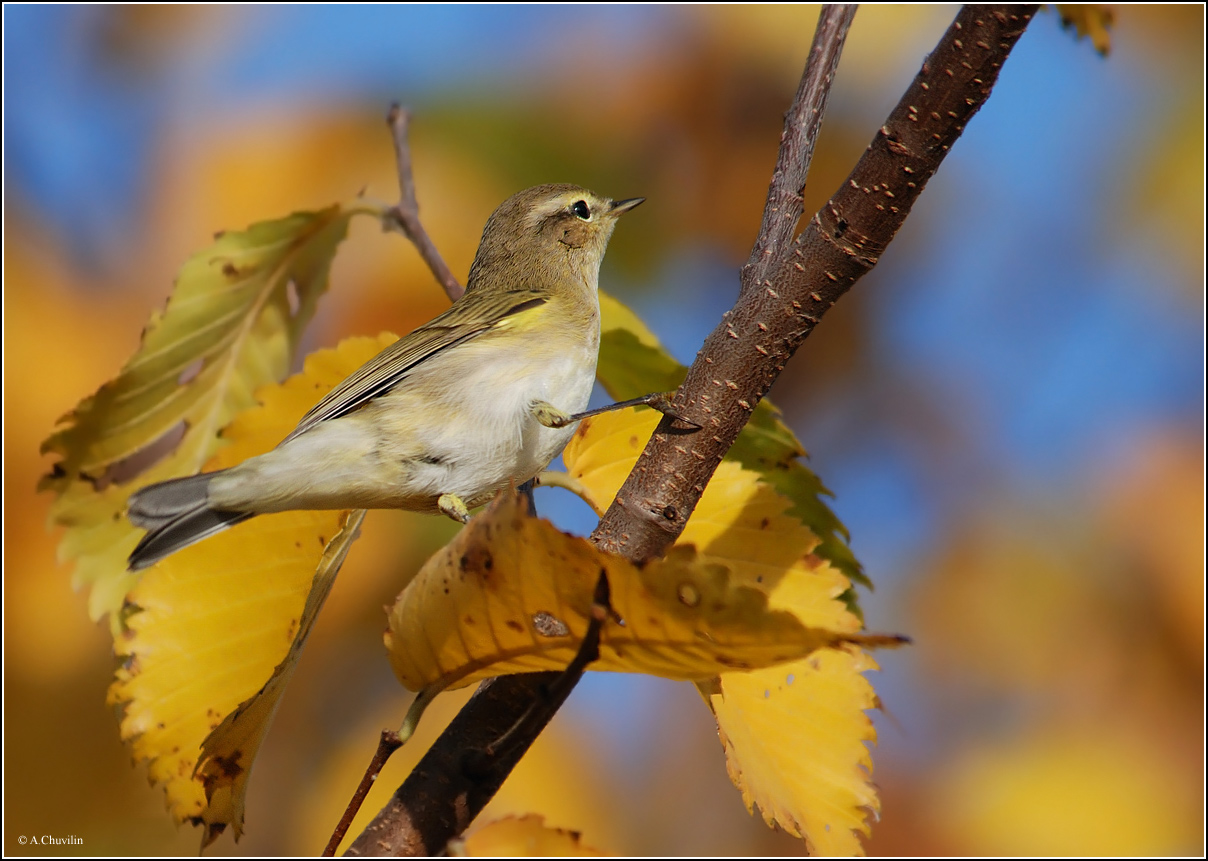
{"points": [[451, 505]]}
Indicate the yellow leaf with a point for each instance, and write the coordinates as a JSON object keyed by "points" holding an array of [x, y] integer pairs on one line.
{"points": [[232, 324], [633, 363], [227, 754], [521, 836], [512, 594], [740, 521], [795, 748], [795, 738], [213, 632], [603, 451], [1089, 19], [794, 734]]}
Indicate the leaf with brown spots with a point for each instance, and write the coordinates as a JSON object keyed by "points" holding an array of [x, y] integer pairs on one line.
{"points": [[513, 594], [213, 632], [232, 324]]}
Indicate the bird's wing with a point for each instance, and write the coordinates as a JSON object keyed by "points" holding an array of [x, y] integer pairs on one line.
{"points": [[464, 321]]}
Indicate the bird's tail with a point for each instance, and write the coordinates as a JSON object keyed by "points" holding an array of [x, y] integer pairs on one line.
{"points": [[176, 514]]}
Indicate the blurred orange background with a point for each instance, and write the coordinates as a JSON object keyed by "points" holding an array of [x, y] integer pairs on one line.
{"points": [[1009, 409]]}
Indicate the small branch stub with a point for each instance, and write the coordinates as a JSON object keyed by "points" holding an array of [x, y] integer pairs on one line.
{"points": [[388, 743], [404, 215]]}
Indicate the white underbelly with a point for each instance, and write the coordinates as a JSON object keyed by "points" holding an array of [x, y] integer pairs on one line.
{"points": [[487, 436]]}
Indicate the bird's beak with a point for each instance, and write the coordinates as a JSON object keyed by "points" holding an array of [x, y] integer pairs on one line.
{"points": [[623, 206]]}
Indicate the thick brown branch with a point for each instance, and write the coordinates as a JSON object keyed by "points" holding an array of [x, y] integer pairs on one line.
{"points": [[404, 215], [786, 289], [747, 351]]}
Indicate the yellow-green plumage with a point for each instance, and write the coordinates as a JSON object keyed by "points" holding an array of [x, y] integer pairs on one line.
{"points": [[444, 417]]}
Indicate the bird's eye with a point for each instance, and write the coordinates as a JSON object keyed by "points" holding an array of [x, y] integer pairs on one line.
{"points": [[581, 209]]}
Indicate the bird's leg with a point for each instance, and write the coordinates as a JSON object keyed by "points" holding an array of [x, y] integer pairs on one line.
{"points": [[451, 505], [552, 417], [526, 490]]}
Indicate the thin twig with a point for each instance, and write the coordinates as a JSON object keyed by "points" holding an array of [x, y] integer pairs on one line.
{"points": [[404, 215], [801, 125], [438, 800], [387, 745]]}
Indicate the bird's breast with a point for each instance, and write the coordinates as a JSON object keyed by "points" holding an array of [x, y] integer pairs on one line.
{"points": [[465, 420]]}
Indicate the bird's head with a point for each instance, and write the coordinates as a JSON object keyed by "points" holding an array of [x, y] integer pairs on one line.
{"points": [[549, 236]]}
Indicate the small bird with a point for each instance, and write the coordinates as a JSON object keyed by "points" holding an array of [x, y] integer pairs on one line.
{"points": [[483, 396]]}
